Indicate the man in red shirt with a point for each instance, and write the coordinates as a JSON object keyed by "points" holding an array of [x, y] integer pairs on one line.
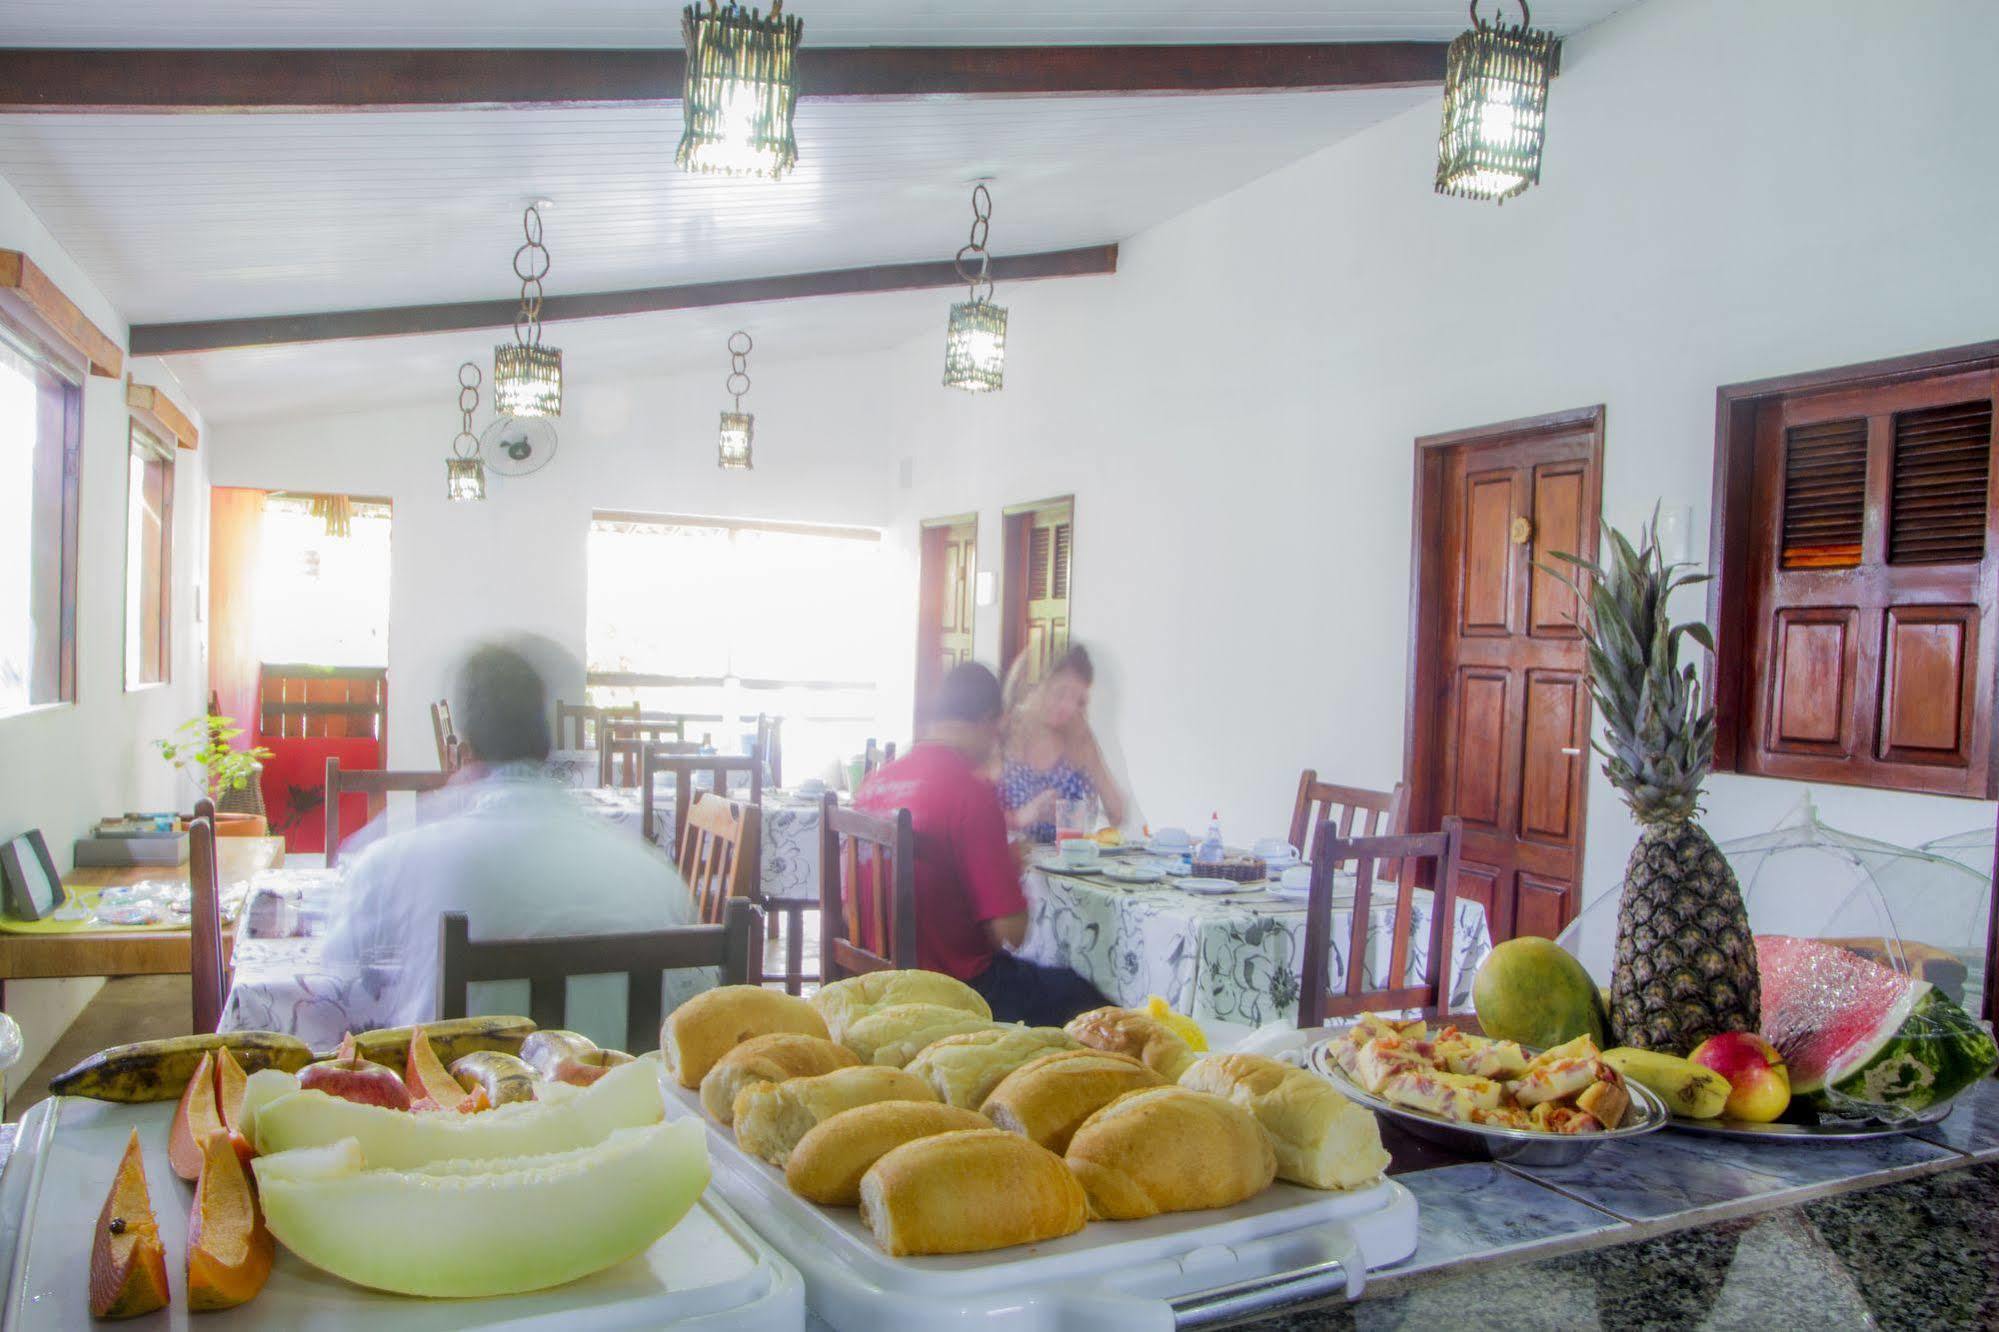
{"points": [[969, 908]]}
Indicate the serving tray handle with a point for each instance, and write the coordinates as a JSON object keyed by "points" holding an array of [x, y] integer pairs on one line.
{"points": [[1338, 1268]]}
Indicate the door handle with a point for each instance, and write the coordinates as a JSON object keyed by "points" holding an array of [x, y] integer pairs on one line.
{"points": [[1571, 750]]}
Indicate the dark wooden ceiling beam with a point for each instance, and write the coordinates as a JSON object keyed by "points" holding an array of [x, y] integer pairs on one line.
{"points": [[405, 320], [175, 80]]}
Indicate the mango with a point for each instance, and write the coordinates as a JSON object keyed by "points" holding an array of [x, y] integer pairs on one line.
{"points": [[1530, 991]]}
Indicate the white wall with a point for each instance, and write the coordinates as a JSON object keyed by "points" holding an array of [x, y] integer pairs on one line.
{"points": [[515, 563], [64, 766], [1732, 191]]}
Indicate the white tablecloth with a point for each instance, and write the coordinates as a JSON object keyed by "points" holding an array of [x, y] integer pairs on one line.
{"points": [[791, 828], [1239, 962]]}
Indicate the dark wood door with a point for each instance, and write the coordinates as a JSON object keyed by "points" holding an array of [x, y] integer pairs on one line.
{"points": [[1500, 729], [1040, 551], [949, 561]]}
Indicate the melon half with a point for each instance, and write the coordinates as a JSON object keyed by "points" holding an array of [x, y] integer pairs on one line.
{"points": [[470, 1228], [1861, 1038]]}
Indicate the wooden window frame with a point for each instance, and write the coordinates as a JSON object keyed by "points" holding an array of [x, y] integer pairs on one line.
{"points": [[71, 370], [160, 451], [1734, 593]]}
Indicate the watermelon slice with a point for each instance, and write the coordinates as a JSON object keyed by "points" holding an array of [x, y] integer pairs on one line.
{"points": [[1861, 1038]]}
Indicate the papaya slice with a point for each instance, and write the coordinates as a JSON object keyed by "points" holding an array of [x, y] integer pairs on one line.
{"points": [[197, 1116], [229, 1249], [128, 1264], [426, 1075]]}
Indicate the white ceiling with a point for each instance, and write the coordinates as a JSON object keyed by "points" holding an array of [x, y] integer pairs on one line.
{"points": [[208, 217], [458, 23]]}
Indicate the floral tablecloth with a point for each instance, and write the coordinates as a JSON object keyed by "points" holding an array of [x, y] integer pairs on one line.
{"points": [[1221, 960], [791, 827], [279, 980]]}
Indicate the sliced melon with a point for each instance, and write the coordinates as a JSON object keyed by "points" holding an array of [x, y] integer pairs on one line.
{"points": [[467, 1231], [259, 1090], [626, 1097]]}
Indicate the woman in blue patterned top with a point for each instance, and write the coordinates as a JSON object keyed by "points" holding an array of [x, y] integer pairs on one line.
{"points": [[1050, 753]]}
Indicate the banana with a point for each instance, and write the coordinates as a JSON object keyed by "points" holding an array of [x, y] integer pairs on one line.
{"points": [[159, 1070], [504, 1077], [451, 1039], [1689, 1091]]}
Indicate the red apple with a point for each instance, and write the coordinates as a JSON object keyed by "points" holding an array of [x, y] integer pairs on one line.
{"points": [[357, 1080], [1759, 1083]]}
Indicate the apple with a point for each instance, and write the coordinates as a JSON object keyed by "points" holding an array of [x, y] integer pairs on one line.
{"points": [[1759, 1083], [357, 1080]]}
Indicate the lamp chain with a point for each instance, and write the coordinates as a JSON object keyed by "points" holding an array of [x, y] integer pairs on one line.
{"points": [[1526, 18], [739, 365], [982, 218], [468, 402], [531, 265]]}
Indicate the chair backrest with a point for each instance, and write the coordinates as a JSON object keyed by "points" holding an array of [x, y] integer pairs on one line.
{"points": [[1357, 811], [867, 921], [578, 725], [877, 758], [1317, 1001], [206, 970], [622, 743], [547, 964], [661, 759], [375, 784], [720, 849], [447, 737], [770, 742]]}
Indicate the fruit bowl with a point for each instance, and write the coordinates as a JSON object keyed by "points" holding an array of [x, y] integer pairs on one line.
{"points": [[1525, 1147]]}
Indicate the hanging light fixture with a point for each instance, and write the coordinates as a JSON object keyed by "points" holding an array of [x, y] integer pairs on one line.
{"points": [[337, 512], [1495, 107], [464, 473], [527, 377], [740, 91], [733, 444], [975, 340]]}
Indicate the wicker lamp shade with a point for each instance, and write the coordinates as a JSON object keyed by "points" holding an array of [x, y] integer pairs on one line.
{"points": [[464, 479], [740, 92], [975, 347], [1495, 108], [733, 443], [527, 380]]}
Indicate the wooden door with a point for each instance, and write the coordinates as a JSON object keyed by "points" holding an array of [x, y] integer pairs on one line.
{"points": [[1040, 550], [1499, 715], [948, 564]]}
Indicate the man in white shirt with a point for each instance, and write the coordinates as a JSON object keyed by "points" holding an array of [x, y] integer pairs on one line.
{"points": [[507, 844]]}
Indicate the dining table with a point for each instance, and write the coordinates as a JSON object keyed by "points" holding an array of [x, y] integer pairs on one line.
{"points": [[792, 820], [48, 948], [1234, 959]]}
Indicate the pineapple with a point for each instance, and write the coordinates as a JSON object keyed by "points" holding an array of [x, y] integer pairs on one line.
{"points": [[1685, 968]]}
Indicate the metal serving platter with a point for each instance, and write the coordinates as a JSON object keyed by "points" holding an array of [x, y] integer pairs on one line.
{"points": [[1838, 1130], [1515, 1146]]}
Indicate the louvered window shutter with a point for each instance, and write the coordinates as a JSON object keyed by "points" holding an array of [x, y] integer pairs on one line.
{"points": [[1039, 558], [1942, 460], [1825, 494]]}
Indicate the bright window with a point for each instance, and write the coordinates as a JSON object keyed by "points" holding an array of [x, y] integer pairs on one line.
{"points": [[41, 432], [322, 599], [723, 620], [149, 490]]}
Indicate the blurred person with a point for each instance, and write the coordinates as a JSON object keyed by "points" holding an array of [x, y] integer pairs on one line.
{"points": [[970, 911], [509, 845], [1050, 754]]}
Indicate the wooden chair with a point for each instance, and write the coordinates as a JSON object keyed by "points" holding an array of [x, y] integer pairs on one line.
{"points": [[664, 758], [719, 849], [577, 725], [877, 759], [447, 737], [376, 785], [1358, 811], [880, 934], [1315, 1002], [546, 965], [622, 743], [206, 967]]}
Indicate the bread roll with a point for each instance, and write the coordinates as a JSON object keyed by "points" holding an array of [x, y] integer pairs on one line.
{"points": [[964, 1069], [1047, 1099], [894, 1034], [772, 1058], [1127, 1031], [714, 1022], [968, 1192], [827, 1164], [1322, 1139], [1169, 1149], [772, 1116], [845, 1001]]}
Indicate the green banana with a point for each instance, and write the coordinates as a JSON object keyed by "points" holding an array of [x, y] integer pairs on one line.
{"points": [[159, 1070], [1689, 1090], [451, 1038]]}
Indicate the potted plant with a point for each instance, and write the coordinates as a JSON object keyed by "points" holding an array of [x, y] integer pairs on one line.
{"points": [[200, 750]]}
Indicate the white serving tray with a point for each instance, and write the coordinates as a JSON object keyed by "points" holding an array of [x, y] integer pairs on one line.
{"points": [[711, 1272], [1183, 1270]]}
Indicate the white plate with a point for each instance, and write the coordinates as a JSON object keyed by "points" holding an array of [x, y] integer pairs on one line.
{"points": [[1134, 873], [1289, 894], [1212, 887]]}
